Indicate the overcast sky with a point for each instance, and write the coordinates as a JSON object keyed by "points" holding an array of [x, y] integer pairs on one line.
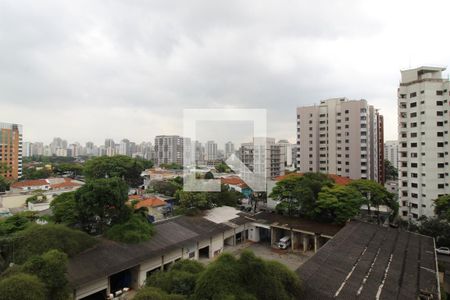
{"points": [[87, 70]]}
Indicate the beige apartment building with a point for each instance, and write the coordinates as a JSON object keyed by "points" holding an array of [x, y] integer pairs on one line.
{"points": [[11, 150], [342, 137]]}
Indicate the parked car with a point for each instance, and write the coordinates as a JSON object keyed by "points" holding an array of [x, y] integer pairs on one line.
{"points": [[443, 250], [284, 242]]}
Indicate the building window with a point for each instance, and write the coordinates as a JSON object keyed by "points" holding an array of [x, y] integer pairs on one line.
{"points": [[412, 95]]}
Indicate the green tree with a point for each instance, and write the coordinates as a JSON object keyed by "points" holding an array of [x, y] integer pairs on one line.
{"points": [[74, 169], [38, 239], [33, 173], [442, 207], [222, 168], [437, 228], [137, 229], [209, 175], [51, 268], [166, 187], [172, 166], [180, 279], [121, 166], [4, 184], [391, 172], [153, 293], [338, 204], [17, 222], [102, 203], [22, 286], [374, 193], [299, 194], [64, 209]]}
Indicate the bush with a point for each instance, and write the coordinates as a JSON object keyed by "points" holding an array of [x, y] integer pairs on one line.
{"points": [[135, 230], [38, 239], [152, 293], [16, 223], [22, 286]]}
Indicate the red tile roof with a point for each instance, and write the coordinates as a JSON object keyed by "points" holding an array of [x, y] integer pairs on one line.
{"points": [[150, 202], [232, 180], [339, 180], [34, 182]]}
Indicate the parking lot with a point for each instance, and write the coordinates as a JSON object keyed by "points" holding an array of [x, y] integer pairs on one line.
{"points": [[289, 259]]}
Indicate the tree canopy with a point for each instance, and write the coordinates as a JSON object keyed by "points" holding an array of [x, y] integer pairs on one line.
{"points": [[50, 268], [121, 166], [64, 209], [299, 194], [374, 193], [4, 184], [38, 239], [102, 203], [22, 286], [390, 171], [137, 229], [338, 204], [442, 207]]}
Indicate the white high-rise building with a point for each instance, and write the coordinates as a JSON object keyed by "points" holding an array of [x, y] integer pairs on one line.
{"points": [[342, 137], [287, 150], [269, 157], [124, 148], [27, 149], [210, 151], [168, 149], [423, 111], [229, 149], [391, 152]]}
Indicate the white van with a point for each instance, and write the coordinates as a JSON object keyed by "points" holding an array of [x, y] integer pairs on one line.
{"points": [[284, 242]]}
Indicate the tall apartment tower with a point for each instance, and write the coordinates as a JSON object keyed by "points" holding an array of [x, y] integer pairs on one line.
{"points": [[210, 151], [391, 152], [342, 137], [11, 150], [423, 109], [168, 149], [229, 149], [272, 154]]}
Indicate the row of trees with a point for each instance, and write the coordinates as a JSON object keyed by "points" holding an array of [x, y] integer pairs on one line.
{"points": [[34, 258], [247, 277], [438, 226], [315, 196]]}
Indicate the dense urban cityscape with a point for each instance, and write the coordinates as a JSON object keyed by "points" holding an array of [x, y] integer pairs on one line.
{"points": [[224, 151]]}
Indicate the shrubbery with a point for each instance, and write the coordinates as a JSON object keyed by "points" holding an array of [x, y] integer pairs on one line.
{"points": [[137, 229]]}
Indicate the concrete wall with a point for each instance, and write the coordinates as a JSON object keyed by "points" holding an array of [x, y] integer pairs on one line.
{"points": [[92, 287]]}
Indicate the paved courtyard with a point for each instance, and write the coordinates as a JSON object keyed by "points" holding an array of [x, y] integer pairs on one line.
{"points": [[290, 259]]}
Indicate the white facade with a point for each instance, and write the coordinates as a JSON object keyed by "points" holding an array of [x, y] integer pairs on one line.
{"points": [[391, 152], [341, 137], [168, 149], [210, 150], [229, 149], [423, 102]]}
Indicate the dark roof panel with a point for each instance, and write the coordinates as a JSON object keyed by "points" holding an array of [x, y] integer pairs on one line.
{"points": [[364, 260]]}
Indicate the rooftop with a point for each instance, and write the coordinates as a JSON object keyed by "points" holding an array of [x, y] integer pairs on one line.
{"points": [[339, 180], [295, 223], [109, 257], [366, 261]]}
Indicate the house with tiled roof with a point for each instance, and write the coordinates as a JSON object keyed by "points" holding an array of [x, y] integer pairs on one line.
{"points": [[46, 184]]}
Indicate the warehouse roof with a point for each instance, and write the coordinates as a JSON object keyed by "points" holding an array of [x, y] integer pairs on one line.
{"points": [[366, 261], [110, 257]]}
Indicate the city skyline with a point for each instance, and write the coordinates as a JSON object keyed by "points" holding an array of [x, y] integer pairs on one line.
{"points": [[107, 76]]}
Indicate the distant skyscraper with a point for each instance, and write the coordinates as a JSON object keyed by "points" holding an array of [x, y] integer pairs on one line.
{"points": [[210, 151], [391, 152], [423, 132], [269, 157], [125, 147], [342, 137], [229, 149], [27, 150], [286, 147], [11, 150], [168, 149]]}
